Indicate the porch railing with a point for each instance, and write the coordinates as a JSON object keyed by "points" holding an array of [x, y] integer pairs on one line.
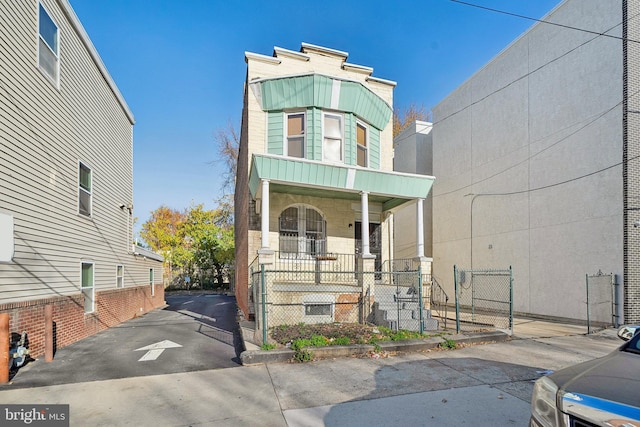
{"points": [[316, 268], [295, 244]]}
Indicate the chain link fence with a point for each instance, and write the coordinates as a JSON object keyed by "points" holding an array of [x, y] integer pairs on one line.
{"points": [[317, 292], [601, 301], [484, 299], [402, 301]]}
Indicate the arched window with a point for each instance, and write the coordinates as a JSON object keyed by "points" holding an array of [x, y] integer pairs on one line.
{"points": [[302, 231]]}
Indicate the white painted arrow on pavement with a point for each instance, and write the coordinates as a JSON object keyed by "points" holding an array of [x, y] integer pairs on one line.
{"points": [[155, 350]]}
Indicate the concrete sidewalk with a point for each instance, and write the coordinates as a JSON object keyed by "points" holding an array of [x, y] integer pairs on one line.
{"points": [[480, 385]]}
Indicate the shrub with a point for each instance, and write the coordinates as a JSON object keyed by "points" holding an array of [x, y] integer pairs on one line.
{"points": [[341, 341], [448, 344]]}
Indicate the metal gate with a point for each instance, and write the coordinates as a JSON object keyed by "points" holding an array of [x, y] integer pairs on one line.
{"points": [[484, 299], [601, 301]]}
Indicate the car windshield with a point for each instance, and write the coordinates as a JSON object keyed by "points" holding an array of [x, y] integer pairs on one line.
{"points": [[633, 346]]}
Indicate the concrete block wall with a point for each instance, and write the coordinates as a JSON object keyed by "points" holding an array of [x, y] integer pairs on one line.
{"points": [[527, 158], [631, 165]]}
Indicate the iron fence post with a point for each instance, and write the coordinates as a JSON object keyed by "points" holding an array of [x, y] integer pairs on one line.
{"points": [[421, 304], [264, 305]]}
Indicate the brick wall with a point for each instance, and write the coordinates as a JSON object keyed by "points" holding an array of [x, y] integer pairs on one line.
{"points": [[71, 324]]}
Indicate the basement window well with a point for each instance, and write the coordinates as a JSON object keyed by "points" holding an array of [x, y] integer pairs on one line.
{"points": [[318, 308]]}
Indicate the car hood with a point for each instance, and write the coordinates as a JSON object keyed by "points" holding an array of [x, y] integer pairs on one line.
{"points": [[615, 377]]}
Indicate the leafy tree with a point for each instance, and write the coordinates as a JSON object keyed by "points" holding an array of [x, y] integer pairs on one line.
{"points": [[211, 240], [402, 118], [197, 242], [163, 233], [162, 230]]}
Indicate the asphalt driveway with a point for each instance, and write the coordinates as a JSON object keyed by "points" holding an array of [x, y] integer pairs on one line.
{"points": [[193, 333]]}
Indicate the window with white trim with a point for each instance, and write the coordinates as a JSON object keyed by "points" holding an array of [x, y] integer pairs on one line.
{"points": [[84, 190], [151, 281], [48, 45], [119, 276], [88, 289], [294, 145], [362, 139], [332, 137], [302, 231]]}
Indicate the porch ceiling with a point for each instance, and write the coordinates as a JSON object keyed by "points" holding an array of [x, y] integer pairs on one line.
{"points": [[311, 178]]}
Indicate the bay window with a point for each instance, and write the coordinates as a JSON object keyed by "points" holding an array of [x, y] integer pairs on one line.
{"points": [[332, 138]]}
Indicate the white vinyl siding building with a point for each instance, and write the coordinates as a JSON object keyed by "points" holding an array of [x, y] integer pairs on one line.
{"points": [[66, 160]]}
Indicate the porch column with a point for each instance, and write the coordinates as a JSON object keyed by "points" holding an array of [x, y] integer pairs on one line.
{"points": [[365, 223], [420, 228], [264, 229]]}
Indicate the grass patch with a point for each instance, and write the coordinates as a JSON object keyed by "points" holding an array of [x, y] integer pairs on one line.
{"points": [[448, 344], [340, 341]]}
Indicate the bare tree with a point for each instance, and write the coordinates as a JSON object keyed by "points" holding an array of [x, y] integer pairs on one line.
{"points": [[228, 141]]}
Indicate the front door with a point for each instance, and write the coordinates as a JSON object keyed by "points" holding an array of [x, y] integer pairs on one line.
{"points": [[375, 242]]}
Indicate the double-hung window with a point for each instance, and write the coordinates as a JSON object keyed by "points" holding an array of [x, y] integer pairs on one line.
{"points": [[119, 276], [48, 45], [88, 289], [362, 135], [84, 190], [294, 146], [332, 139]]}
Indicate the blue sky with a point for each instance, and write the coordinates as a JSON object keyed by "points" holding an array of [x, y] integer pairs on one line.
{"points": [[180, 66]]}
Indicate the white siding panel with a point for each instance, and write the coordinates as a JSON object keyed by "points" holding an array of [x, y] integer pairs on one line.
{"points": [[44, 133]]}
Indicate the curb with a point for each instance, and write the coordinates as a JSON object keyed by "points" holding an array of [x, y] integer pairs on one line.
{"points": [[254, 357]]}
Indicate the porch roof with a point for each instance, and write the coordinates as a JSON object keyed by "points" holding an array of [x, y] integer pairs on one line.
{"points": [[306, 177]]}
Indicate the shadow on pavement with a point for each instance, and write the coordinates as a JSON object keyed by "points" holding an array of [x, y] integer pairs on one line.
{"points": [[206, 338]]}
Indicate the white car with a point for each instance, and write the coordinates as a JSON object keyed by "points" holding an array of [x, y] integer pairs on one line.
{"points": [[601, 392]]}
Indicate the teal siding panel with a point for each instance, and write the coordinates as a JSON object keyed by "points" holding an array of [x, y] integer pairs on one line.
{"points": [[318, 175], [349, 139], [254, 178], [287, 93], [315, 91], [374, 148], [322, 87], [357, 99], [315, 134], [275, 132], [392, 184]]}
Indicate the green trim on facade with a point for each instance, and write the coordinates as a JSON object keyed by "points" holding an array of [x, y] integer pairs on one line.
{"points": [[315, 90], [314, 134], [362, 102], [374, 148], [275, 132], [391, 187], [349, 139]]}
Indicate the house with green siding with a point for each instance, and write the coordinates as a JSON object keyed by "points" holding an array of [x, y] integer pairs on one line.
{"points": [[315, 188]]}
